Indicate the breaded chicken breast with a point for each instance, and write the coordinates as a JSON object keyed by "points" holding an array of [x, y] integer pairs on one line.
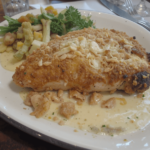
{"points": [[87, 60]]}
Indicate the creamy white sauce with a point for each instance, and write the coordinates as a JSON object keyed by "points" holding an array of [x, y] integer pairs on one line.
{"points": [[8, 61], [132, 116]]}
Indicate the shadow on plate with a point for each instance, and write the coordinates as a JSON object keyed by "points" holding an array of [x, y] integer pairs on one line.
{"points": [[15, 88]]}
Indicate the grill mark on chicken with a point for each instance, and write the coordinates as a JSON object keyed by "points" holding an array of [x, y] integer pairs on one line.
{"points": [[148, 56], [142, 81], [137, 52], [98, 71]]}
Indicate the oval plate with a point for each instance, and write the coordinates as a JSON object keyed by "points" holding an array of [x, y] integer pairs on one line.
{"points": [[11, 105]]}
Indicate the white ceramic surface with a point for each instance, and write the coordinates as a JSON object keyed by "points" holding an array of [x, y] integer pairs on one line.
{"points": [[12, 105]]}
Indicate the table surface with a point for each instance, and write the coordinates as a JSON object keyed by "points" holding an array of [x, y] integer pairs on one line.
{"points": [[12, 138]]}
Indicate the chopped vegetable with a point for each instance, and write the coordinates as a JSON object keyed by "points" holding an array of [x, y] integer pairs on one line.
{"points": [[33, 47], [9, 38], [19, 45], [26, 18], [23, 19], [27, 31], [2, 48], [57, 28], [4, 29], [11, 21], [75, 21], [46, 30], [13, 25], [37, 43], [37, 20], [54, 12], [48, 22], [67, 20], [50, 9], [37, 27], [20, 33], [38, 36]]}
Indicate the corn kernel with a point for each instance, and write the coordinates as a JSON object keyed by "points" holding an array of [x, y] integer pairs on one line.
{"points": [[38, 36], [55, 12], [19, 45]]}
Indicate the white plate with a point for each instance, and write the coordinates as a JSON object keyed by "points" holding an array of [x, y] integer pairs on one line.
{"points": [[11, 105]]}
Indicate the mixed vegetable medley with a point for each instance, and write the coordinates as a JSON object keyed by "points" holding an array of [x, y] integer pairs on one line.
{"points": [[26, 34]]}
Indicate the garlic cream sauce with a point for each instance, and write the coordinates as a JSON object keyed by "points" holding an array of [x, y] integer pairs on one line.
{"points": [[131, 116], [8, 61]]}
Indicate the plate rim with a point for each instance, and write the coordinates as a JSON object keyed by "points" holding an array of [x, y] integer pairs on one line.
{"points": [[35, 133]]}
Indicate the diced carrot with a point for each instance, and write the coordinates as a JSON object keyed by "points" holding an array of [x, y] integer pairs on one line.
{"points": [[23, 19], [30, 15]]}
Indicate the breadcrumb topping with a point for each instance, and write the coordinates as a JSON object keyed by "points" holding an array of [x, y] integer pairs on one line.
{"points": [[91, 56]]}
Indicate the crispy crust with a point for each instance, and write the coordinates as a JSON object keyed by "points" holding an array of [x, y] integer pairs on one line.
{"points": [[76, 71]]}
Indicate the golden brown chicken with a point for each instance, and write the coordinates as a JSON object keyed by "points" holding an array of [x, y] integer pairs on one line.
{"points": [[87, 60]]}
